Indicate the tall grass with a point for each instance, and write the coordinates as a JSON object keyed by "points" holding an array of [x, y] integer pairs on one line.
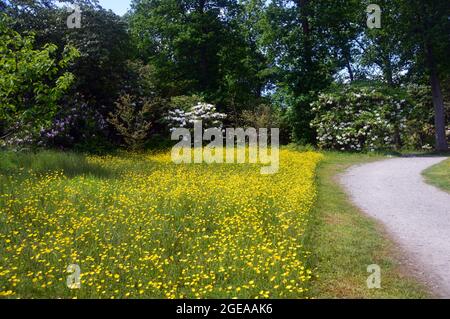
{"points": [[153, 229], [71, 164]]}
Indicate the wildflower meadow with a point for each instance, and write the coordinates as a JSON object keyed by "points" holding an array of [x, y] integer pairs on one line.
{"points": [[224, 149], [139, 226]]}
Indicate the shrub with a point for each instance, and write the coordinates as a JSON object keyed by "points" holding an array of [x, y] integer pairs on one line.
{"points": [[419, 129], [370, 118], [133, 120], [32, 82], [267, 116], [205, 112], [263, 116], [79, 125]]}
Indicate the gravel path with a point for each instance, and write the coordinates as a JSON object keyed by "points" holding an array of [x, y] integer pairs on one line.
{"points": [[416, 214]]}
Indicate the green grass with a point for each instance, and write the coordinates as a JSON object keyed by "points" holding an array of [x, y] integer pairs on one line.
{"points": [[139, 226], [128, 216], [344, 242], [439, 175], [72, 164]]}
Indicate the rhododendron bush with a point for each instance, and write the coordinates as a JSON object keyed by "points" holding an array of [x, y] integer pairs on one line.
{"points": [[358, 118], [204, 112]]}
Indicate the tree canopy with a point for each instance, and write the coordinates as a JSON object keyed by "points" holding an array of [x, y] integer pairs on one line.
{"points": [[246, 57]]}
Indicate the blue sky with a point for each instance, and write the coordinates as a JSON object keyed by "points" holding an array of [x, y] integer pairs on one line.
{"points": [[120, 7]]}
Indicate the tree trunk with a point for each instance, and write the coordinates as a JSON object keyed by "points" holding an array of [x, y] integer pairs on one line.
{"points": [[350, 70], [304, 15], [387, 70], [201, 6], [204, 67], [302, 4], [438, 102]]}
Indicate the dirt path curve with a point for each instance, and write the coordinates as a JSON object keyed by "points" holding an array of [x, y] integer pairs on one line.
{"points": [[416, 214]]}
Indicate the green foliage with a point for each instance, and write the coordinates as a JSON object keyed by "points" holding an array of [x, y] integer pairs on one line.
{"points": [[132, 119], [105, 48], [306, 42], [185, 103], [420, 121], [101, 72], [361, 117], [195, 48], [267, 116], [32, 81], [262, 117], [42, 162], [246, 57], [140, 79]]}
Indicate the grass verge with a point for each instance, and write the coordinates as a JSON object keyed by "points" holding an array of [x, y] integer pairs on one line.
{"points": [[439, 175], [344, 242]]}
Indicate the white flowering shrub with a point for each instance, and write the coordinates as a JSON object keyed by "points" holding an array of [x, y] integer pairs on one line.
{"points": [[207, 113], [361, 118]]}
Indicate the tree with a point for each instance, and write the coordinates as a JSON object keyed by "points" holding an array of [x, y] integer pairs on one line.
{"points": [[102, 70], [199, 47], [410, 46], [436, 46], [182, 39], [32, 81], [102, 41], [105, 49], [132, 119], [425, 31], [297, 49]]}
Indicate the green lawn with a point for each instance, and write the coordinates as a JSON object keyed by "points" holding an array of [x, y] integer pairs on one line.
{"points": [[439, 175], [345, 242]]}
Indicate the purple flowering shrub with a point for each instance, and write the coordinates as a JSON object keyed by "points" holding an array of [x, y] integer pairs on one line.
{"points": [[77, 126]]}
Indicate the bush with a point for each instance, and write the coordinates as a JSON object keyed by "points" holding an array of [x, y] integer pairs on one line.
{"points": [[79, 125], [262, 116], [133, 119], [361, 118], [420, 132], [185, 115], [267, 116], [32, 82]]}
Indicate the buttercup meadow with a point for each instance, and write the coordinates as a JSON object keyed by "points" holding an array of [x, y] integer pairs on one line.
{"points": [[224, 149], [139, 226]]}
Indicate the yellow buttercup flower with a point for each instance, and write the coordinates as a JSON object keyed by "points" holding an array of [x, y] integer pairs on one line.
{"points": [[139, 226]]}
